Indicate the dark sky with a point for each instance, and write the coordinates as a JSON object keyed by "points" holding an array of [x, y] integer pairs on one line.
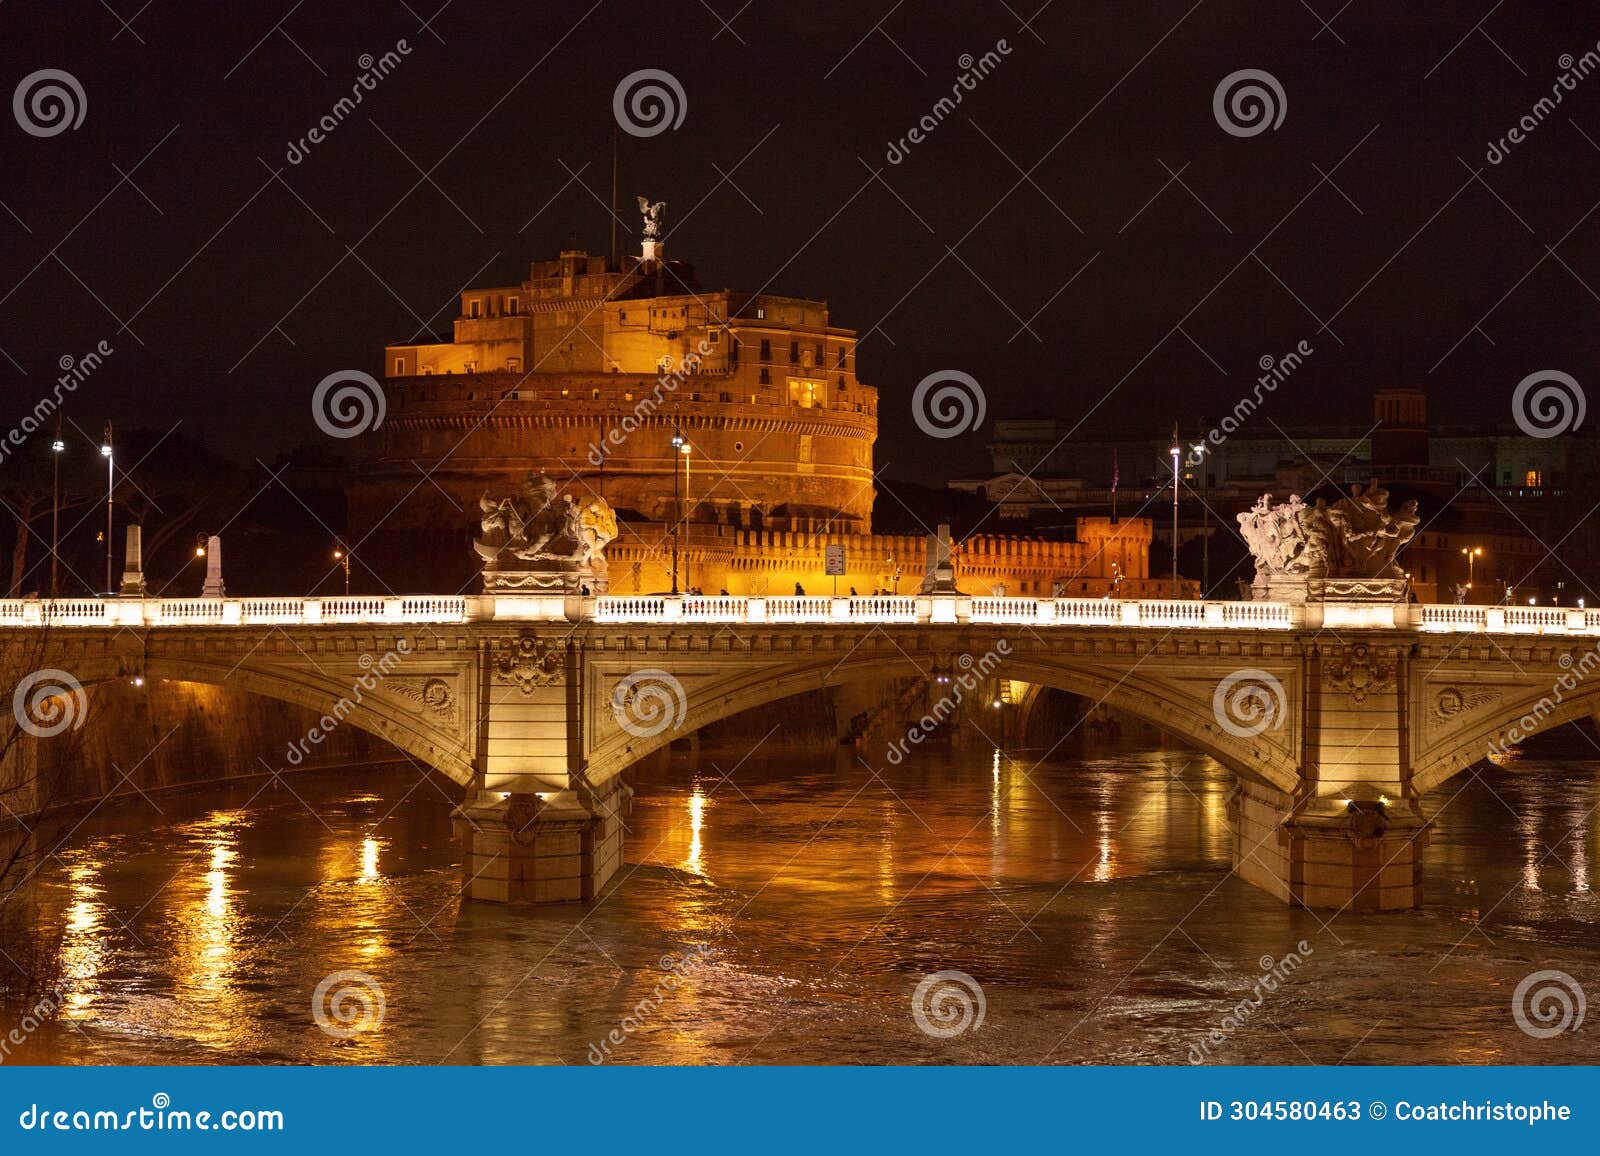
{"points": [[228, 292]]}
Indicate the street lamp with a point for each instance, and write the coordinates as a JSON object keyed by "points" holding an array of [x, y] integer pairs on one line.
{"points": [[1174, 452], [1471, 554], [678, 446], [57, 447], [342, 556], [105, 452]]}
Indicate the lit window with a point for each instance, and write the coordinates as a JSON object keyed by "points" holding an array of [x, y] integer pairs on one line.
{"points": [[1533, 478]]}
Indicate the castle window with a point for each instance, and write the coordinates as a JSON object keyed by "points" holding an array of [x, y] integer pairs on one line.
{"points": [[714, 337], [761, 313], [766, 377], [594, 395], [766, 350], [794, 353], [399, 367], [513, 304], [1533, 478], [513, 364], [474, 308]]}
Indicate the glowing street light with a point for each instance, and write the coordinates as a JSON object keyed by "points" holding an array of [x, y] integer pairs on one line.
{"points": [[1174, 452], [342, 556], [57, 447], [105, 452]]}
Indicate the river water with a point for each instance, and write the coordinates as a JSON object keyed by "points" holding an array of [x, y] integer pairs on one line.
{"points": [[783, 908]]}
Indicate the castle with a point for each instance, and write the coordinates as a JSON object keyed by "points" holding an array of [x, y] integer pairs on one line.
{"points": [[728, 430]]}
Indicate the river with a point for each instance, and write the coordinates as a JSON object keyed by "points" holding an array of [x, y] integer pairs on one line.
{"points": [[783, 908]]}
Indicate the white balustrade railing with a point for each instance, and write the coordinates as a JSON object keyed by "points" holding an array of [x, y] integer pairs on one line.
{"points": [[1045, 613]]}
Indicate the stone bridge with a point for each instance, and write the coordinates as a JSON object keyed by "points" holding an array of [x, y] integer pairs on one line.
{"points": [[1336, 717]]}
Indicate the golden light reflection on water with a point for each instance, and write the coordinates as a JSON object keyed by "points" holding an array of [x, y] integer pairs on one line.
{"points": [[84, 953], [369, 859], [697, 820]]}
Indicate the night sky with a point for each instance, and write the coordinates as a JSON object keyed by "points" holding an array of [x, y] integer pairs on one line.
{"points": [[1369, 223]]}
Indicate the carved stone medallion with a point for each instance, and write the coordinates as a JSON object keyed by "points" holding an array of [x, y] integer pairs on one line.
{"points": [[529, 662], [1361, 673]]}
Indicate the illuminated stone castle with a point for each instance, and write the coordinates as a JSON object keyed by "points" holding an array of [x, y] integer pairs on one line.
{"points": [[735, 417]]}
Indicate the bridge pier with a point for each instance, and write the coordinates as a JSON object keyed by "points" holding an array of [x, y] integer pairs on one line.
{"points": [[1343, 854], [548, 847]]}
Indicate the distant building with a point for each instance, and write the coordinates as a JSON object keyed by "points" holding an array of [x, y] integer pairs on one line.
{"points": [[1486, 499], [601, 373]]}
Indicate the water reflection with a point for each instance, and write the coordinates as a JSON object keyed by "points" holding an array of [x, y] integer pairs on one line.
{"points": [[822, 891]]}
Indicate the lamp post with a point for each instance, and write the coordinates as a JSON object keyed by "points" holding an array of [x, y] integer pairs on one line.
{"points": [[105, 452], [56, 449], [342, 556], [677, 502], [1472, 554], [1174, 452], [687, 450]]}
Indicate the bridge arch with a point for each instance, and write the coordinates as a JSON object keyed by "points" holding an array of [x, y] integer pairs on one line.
{"points": [[711, 693], [386, 714], [1508, 724]]}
